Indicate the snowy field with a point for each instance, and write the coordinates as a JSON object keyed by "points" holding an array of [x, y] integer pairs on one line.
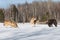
{"points": [[28, 32]]}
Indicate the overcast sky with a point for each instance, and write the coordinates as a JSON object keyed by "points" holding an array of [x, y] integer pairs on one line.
{"points": [[6, 3]]}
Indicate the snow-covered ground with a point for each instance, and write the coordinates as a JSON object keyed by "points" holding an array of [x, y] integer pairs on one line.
{"points": [[28, 32]]}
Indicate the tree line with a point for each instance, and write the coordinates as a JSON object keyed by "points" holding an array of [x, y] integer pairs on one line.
{"points": [[24, 12]]}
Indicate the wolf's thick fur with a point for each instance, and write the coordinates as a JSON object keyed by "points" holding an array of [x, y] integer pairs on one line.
{"points": [[33, 20], [10, 23], [52, 21]]}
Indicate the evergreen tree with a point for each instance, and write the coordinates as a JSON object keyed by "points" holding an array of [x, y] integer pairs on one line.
{"points": [[1, 15]]}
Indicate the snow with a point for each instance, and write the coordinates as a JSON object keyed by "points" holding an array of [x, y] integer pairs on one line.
{"points": [[29, 32]]}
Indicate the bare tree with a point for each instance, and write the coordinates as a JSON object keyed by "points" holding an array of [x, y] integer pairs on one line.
{"points": [[49, 10]]}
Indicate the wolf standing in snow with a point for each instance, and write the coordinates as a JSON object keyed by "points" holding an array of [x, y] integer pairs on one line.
{"points": [[34, 21], [52, 21]]}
